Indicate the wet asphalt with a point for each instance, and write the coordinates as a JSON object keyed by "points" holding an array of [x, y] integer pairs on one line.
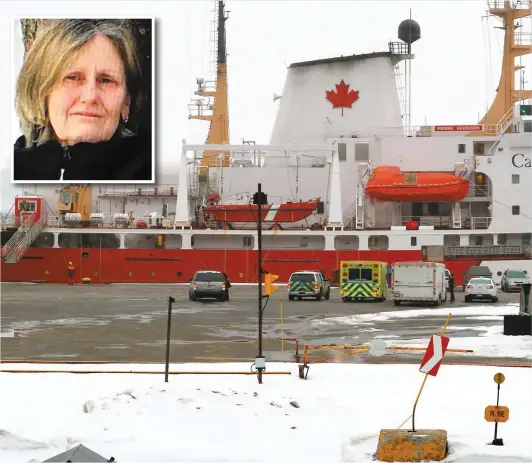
{"points": [[128, 323]]}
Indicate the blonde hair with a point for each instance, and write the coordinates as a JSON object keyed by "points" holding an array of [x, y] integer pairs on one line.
{"points": [[56, 44]]}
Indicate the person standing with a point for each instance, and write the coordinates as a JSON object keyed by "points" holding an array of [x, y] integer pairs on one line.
{"points": [[451, 286], [70, 274]]}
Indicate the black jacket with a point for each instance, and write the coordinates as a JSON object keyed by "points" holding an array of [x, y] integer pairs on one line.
{"points": [[451, 283], [116, 159]]}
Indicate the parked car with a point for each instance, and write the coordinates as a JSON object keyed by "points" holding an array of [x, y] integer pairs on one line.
{"points": [[477, 271], [209, 284], [308, 284], [481, 288], [512, 280]]}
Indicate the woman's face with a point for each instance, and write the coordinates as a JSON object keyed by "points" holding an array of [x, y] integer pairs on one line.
{"points": [[86, 103]]}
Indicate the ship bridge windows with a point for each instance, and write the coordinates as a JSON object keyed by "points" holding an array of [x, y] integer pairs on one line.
{"points": [[515, 179], [461, 148], [346, 243], [480, 240], [378, 242], [516, 210]]}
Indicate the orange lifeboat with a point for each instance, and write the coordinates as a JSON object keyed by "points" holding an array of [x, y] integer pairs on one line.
{"points": [[388, 183], [277, 213]]}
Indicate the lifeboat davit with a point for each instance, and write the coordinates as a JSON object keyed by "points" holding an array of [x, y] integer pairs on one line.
{"points": [[274, 213], [388, 183]]}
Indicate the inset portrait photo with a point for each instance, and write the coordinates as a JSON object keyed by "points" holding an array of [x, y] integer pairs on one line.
{"points": [[83, 100]]}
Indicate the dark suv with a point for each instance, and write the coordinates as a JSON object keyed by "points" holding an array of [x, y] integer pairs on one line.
{"points": [[476, 271]]}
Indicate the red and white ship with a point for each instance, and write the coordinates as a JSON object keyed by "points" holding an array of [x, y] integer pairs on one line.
{"points": [[344, 182]]}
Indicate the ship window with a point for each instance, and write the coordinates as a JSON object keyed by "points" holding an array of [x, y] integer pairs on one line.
{"points": [[179, 274], [247, 241], [361, 151], [84, 255], [417, 209], [516, 210], [413, 241], [478, 148], [321, 207], [515, 178], [527, 238], [434, 208], [527, 126], [342, 152], [461, 147]]}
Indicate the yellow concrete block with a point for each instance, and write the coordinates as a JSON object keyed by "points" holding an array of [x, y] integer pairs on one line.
{"points": [[405, 445]]}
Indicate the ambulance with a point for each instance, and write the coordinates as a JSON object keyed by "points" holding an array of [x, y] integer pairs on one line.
{"points": [[363, 280]]}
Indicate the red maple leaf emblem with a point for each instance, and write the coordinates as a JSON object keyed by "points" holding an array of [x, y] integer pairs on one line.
{"points": [[343, 97]]}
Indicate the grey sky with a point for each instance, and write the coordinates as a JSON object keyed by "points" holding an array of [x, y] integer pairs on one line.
{"points": [[449, 78]]}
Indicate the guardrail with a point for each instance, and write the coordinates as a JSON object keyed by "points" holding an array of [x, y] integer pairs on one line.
{"points": [[496, 250]]}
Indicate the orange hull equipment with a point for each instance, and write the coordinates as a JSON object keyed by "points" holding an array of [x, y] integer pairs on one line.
{"points": [[274, 213], [388, 183]]}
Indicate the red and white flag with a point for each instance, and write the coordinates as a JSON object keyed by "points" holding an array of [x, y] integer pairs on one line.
{"points": [[434, 355]]}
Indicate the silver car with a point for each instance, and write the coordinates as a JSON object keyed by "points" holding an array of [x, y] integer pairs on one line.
{"points": [[512, 280], [481, 288], [209, 284]]}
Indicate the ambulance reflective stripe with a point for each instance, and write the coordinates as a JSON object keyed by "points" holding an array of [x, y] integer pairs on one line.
{"points": [[358, 289], [270, 216], [299, 285]]}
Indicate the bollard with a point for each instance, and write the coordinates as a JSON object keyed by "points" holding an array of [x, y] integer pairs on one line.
{"points": [[520, 324], [524, 305]]}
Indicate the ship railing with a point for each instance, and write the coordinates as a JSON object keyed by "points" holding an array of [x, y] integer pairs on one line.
{"points": [[138, 190], [7, 221], [479, 191], [495, 250], [516, 4], [479, 222], [25, 225], [25, 242], [436, 221], [417, 131]]}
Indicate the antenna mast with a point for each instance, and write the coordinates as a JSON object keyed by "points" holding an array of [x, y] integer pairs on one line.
{"points": [[409, 32], [217, 112], [501, 112]]}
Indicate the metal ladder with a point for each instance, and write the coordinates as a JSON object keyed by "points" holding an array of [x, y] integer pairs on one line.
{"points": [[19, 243]]}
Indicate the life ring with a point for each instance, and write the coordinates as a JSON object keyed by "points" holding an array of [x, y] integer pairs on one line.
{"points": [[370, 224]]}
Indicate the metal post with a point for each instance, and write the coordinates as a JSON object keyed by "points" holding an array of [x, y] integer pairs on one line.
{"points": [[259, 279], [171, 300], [495, 440]]}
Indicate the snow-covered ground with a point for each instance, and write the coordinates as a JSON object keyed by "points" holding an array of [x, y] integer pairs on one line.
{"points": [[489, 342], [334, 416]]}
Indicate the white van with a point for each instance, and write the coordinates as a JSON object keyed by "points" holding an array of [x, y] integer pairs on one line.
{"points": [[419, 282]]}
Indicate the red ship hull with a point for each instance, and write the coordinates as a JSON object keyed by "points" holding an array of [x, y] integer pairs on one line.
{"points": [[388, 183], [177, 266], [271, 213]]}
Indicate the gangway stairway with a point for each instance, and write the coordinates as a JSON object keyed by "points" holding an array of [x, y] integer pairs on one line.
{"points": [[19, 243]]}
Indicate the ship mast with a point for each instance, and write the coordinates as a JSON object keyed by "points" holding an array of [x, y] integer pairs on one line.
{"points": [[501, 109], [217, 112]]}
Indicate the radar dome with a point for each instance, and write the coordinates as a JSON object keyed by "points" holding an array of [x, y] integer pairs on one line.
{"points": [[409, 31]]}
